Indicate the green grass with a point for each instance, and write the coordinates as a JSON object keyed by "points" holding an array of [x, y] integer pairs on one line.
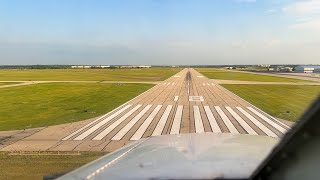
{"points": [[152, 74], [56, 103], [36, 166], [241, 76], [283, 101], [7, 83]]}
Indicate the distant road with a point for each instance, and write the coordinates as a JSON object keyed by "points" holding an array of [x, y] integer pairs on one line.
{"points": [[286, 75], [23, 83]]}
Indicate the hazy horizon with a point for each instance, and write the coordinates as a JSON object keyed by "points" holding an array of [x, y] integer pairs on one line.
{"points": [[155, 32]]}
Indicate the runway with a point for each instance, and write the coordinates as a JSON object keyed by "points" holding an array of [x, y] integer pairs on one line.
{"points": [[187, 102]]}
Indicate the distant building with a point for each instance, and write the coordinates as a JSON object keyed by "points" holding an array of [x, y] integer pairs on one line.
{"points": [[307, 69], [88, 67], [286, 69], [280, 69], [78, 67], [264, 65], [131, 67]]}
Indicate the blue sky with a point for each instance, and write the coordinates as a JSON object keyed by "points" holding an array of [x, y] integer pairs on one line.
{"points": [[159, 31]]}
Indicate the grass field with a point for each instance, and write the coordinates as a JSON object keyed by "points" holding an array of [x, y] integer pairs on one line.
{"points": [[232, 75], [7, 83], [282, 101], [36, 166], [49, 104], [152, 74]]}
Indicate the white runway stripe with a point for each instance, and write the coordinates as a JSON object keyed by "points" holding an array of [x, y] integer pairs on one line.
{"points": [[241, 121], [164, 83], [79, 130], [197, 120], [176, 98], [97, 126], [133, 121], [172, 84], [226, 120], [146, 124], [203, 84], [278, 121], [116, 123], [208, 84], [162, 122], [275, 125], [212, 84], [257, 123], [175, 129], [213, 122]]}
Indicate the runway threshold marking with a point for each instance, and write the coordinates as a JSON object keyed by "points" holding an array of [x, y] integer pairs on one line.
{"points": [[175, 129], [213, 122], [168, 84], [133, 121], [208, 84], [241, 121], [275, 125], [257, 123], [142, 129], [97, 126], [226, 120], [105, 132], [172, 84], [164, 83], [162, 122], [197, 120]]}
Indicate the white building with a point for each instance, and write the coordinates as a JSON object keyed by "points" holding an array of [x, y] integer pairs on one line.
{"points": [[306, 69]]}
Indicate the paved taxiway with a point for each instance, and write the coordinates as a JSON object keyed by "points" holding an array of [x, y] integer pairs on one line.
{"points": [[187, 102]]}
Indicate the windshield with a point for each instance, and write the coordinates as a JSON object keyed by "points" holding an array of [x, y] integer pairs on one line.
{"points": [[82, 79]]}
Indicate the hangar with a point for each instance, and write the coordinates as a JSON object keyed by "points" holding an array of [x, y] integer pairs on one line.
{"points": [[307, 69]]}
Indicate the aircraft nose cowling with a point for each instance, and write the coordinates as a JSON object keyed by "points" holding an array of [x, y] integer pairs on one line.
{"points": [[183, 156]]}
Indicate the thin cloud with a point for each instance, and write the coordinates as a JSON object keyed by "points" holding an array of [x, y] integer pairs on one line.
{"points": [[303, 7], [313, 24]]}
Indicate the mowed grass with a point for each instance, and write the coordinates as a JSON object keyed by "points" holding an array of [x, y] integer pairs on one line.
{"points": [[36, 166], [7, 83], [152, 74], [41, 105], [283, 101], [242, 76]]}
